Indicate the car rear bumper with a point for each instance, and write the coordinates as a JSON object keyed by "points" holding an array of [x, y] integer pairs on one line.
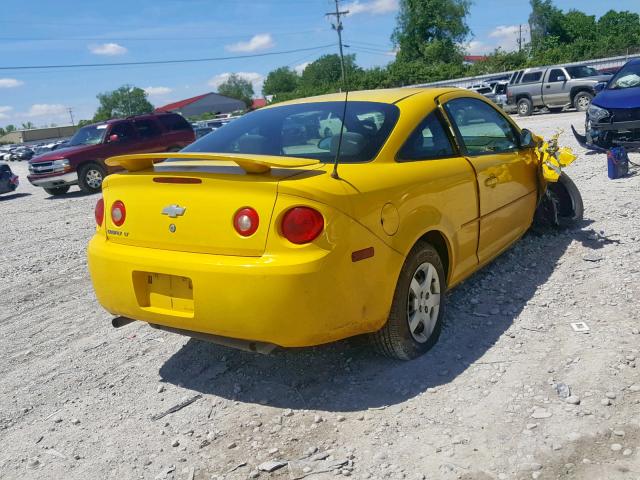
{"points": [[53, 180], [287, 299]]}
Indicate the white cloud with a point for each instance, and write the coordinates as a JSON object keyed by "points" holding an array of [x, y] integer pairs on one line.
{"points": [[109, 49], [374, 7], [507, 36], [255, 78], [300, 68], [10, 83], [46, 109], [4, 112], [476, 47], [158, 91], [262, 41]]}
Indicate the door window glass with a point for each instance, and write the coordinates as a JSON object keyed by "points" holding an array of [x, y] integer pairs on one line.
{"points": [[428, 141], [147, 128], [556, 74], [482, 128], [531, 77], [124, 130]]}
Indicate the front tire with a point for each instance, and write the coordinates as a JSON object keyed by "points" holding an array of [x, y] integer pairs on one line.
{"points": [[525, 107], [582, 101], [415, 319], [90, 177], [55, 191]]}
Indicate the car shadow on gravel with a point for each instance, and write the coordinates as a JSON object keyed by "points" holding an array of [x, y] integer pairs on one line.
{"points": [[349, 376], [13, 196], [64, 196]]}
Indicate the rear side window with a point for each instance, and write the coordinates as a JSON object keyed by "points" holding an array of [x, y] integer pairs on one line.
{"points": [[147, 128], [531, 77], [174, 122], [428, 141]]}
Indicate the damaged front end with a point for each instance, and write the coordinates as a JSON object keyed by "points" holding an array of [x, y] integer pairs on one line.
{"points": [[610, 127], [561, 203]]}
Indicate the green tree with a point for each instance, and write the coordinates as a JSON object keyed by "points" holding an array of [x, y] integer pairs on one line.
{"points": [[619, 31], [10, 128], [82, 123], [238, 88], [431, 30], [280, 80], [122, 102], [28, 126], [546, 20], [324, 75]]}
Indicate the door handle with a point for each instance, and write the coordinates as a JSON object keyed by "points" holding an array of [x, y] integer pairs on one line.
{"points": [[492, 181]]}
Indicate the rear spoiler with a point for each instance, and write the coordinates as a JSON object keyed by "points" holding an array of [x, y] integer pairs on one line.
{"points": [[249, 163]]}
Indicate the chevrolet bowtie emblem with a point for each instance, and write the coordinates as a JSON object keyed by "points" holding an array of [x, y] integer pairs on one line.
{"points": [[173, 211]]}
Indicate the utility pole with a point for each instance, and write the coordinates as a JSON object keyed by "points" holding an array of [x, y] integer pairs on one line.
{"points": [[337, 26], [520, 38], [70, 110]]}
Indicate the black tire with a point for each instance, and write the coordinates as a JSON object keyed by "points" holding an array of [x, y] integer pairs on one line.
{"points": [[569, 201], [560, 207], [396, 339], [90, 177], [55, 191], [525, 107], [582, 100]]}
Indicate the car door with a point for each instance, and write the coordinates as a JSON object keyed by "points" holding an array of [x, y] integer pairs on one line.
{"points": [[150, 135], [555, 90], [505, 173]]}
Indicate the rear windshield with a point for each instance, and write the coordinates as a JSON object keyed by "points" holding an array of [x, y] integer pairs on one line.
{"points": [[627, 77], [174, 122], [308, 130]]}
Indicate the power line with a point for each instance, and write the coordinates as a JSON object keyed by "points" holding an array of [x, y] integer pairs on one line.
{"points": [[165, 62]]}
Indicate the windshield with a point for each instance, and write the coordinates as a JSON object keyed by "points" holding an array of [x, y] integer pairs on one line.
{"points": [[308, 130], [627, 77], [582, 71], [89, 135]]}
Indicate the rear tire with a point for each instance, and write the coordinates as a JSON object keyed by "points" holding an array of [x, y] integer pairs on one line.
{"points": [[90, 177], [415, 319], [582, 101], [525, 107], [54, 192]]}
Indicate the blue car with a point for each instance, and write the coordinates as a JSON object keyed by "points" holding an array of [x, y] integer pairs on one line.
{"points": [[613, 118], [8, 181]]}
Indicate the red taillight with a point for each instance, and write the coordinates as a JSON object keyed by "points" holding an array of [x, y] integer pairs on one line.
{"points": [[99, 212], [302, 225], [118, 213], [246, 221]]}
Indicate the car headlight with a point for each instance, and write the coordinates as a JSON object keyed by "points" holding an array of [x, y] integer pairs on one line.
{"points": [[60, 165], [596, 113]]}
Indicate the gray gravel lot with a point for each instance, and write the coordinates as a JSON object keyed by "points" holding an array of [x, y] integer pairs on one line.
{"points": [[77, 397]]}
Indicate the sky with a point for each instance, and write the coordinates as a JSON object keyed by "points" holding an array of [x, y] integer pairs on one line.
{"points": [[43, 32]]}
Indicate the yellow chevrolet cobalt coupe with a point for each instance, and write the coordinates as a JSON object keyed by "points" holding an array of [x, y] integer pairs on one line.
{"points": [[316, 220]]}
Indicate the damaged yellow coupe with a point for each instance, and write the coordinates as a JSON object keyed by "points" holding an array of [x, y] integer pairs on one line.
{"points": [[323, 218]]}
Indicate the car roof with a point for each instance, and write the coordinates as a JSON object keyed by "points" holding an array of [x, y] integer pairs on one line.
{"points": [[390, 95]]}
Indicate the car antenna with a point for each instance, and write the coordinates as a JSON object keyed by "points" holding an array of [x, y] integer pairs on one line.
{"points": [[334, 173], [337, 26]]}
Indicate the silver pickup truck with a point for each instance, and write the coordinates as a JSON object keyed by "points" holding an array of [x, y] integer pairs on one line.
{"points": [[553, 88]]}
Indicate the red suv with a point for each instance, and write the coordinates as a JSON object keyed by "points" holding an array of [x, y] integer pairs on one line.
{"points": [[82, 161]]}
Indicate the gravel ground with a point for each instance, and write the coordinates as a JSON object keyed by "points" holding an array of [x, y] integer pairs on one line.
{"points": [[510, 392]]}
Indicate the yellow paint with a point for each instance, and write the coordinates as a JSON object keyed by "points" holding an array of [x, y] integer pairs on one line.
{"points": [[207, 278]]}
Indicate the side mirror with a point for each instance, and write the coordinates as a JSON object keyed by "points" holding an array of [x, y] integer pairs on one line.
{"points": [[325, 143], [526, 139], [114, 138], [599, 86]]}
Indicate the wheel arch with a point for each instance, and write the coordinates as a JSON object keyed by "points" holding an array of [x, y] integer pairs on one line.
{"points": [[576, 90], [438, 240], [520, 96]]}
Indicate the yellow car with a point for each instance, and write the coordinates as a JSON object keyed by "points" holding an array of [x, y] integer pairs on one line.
{"points": [[275, 231]]}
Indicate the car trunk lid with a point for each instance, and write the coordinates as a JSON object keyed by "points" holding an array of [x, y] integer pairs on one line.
{"points": [[190, 205]]}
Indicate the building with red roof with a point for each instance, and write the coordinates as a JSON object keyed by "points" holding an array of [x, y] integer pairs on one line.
{"points": [[206, 103]]}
